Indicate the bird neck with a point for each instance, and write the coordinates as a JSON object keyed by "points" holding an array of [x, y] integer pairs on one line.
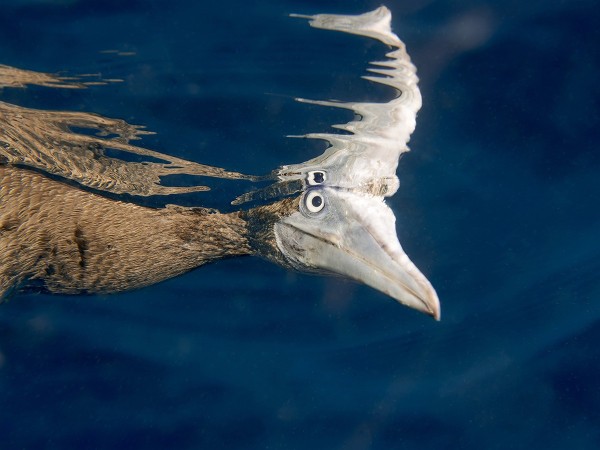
{"points": [[259, 224]]}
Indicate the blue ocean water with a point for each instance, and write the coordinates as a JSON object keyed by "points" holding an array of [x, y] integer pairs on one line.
{"points": [[498, 206]]}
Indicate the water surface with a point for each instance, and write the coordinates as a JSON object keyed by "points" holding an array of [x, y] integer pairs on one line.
{"points": [[497, 204]]}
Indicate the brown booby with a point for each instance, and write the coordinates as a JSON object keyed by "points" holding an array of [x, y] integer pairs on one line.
{"points": [[59, 230]]}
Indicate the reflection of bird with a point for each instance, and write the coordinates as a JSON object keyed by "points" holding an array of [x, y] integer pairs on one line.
{"points": [[68, 240]]}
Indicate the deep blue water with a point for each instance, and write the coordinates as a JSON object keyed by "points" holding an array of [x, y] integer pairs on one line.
{"points": [[498, 206]]}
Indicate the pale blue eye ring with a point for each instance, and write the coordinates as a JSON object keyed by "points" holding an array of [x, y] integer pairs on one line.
{"points": [[314, 201]]}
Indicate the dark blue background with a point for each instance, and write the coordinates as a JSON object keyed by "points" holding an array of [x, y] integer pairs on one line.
{"points": [[498, 206]]}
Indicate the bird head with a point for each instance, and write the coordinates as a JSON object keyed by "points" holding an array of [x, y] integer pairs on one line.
{"points": [[337, 231], [340, 223]]}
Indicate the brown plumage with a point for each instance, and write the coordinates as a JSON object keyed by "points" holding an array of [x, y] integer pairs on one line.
{"points": [[58, 231], [72, 241]]}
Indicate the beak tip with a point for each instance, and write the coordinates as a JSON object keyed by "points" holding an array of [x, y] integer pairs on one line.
{"points": [[424, 300], [432, 305], [433, 309]]}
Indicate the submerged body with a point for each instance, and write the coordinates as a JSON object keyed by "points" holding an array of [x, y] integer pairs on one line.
{"points": [[73, 241]]}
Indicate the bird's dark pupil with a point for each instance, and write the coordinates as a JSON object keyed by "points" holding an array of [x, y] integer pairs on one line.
{"points": [[316, 201], [318, 177]]}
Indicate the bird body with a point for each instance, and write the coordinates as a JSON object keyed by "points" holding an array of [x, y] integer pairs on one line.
{"points": [[60, 234], [73, 241]]}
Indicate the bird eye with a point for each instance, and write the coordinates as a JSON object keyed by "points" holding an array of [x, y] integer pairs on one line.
{"points": [[316, 177], [314, 202]]}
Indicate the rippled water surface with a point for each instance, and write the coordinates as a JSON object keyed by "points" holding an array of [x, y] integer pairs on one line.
{"points": [[498, 205]]}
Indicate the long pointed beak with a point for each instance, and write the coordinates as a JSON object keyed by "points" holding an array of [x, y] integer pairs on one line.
{"points": [[364, 247], [366, 260], [392, 273]]}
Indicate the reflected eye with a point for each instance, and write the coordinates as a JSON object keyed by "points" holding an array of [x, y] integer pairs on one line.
{"points": [[314, 201], [316, 177]]}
